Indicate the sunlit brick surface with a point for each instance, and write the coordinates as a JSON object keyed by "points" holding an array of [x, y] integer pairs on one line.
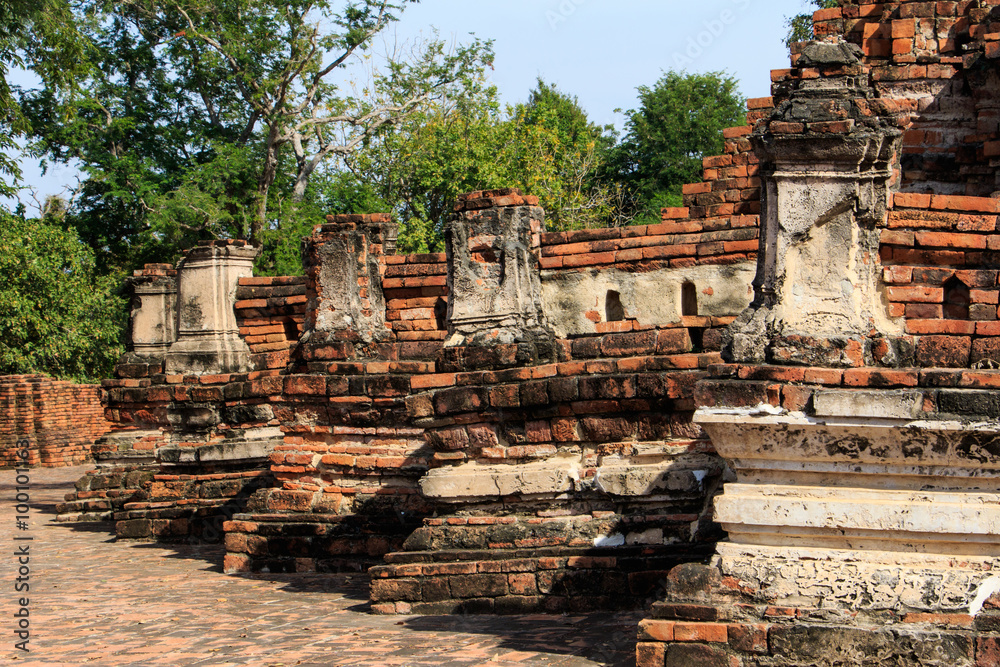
{"points": [[97, 602]]}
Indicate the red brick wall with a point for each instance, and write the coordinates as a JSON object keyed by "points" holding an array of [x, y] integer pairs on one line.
{"points": [[934, 58], [60, 419], [270, 312], [941, 256], [717, 224], [416, 295]]}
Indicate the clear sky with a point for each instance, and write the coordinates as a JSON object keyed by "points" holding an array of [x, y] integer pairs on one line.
{"points": [[597, 50]]}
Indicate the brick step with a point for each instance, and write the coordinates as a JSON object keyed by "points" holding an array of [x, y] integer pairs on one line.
{"points": [[551, 580], [312, 542]]}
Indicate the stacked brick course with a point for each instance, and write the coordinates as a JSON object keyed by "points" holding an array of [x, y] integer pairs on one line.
{"points": [[717, 225], [270, 312], [416, 293], [60, 420], [935, 60]]}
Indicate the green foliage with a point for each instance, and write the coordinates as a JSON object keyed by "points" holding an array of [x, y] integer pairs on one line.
{"points": [[331, 192], [546, 147], [558, 155], [143, 122], [56, 315], [210, 119], [800, 27], [679, 121], [39, 35]]}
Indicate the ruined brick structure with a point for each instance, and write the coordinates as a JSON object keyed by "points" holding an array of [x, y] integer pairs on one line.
{"points": [[771, 418], [856, 409]]}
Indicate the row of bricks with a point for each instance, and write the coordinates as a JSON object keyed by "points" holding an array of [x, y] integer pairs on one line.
{"points": [[608, 395], [943, 34], [940, 258], [276, 302], [678, 362], [743, 177], [411, 313], [903, 289], [485, 585], [660, 257], [675, 222], [389, 386], [357, 431], [910, 28], [317, 462], [303, 497], [275, 281], [490, 579], [734, 196], [513, 566], [907, 9], [142, 391], [319, 443], [942, 220], [620, 345], [269, 326], [275, 345], [863, 378], [403, 270], [967, 318], [832, 377], [419, 258], [946, 202], [679, 238]]}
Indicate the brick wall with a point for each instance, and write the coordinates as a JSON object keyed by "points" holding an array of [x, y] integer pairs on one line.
{"points": [[717, 225], [270, 312], [934, 59], [416, 294], [60, 419]]}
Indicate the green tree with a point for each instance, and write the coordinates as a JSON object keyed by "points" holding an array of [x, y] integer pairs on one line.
{"points": [[679, 121], [800, 26], [39, 35], [546, 147], [209, 119], [280, 58], [419, 168], [558, 156], [57, 316]]}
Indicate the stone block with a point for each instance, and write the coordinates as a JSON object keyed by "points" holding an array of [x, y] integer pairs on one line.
{"points": [[873, 404]]}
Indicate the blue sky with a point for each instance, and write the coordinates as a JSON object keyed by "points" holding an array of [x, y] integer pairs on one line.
{"points": [[601, 51], [597, 50]]}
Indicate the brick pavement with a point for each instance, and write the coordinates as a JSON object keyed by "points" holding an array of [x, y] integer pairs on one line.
{"points": [[97, 602]]}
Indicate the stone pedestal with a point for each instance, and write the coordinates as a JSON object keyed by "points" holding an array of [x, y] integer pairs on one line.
{"points": [[208, 340], [862, 523], [154, 310], [495, 316], [826, 162], [344, 271], [862, 505]]}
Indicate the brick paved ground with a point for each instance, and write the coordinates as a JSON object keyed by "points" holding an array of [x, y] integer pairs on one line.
{"points": [[97, 602]]}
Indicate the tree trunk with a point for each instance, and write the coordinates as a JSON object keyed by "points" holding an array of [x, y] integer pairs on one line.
{"points": [[267, 176], [306, 169]]}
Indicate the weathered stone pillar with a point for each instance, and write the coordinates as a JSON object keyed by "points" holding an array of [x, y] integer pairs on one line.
{"points": [[495, 316], [344, 282], [864, 520], [826, 160], [208, 340], [153, 326]]}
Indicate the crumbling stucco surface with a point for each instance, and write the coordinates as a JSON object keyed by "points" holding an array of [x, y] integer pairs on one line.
{"points": [[574, 302]]}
